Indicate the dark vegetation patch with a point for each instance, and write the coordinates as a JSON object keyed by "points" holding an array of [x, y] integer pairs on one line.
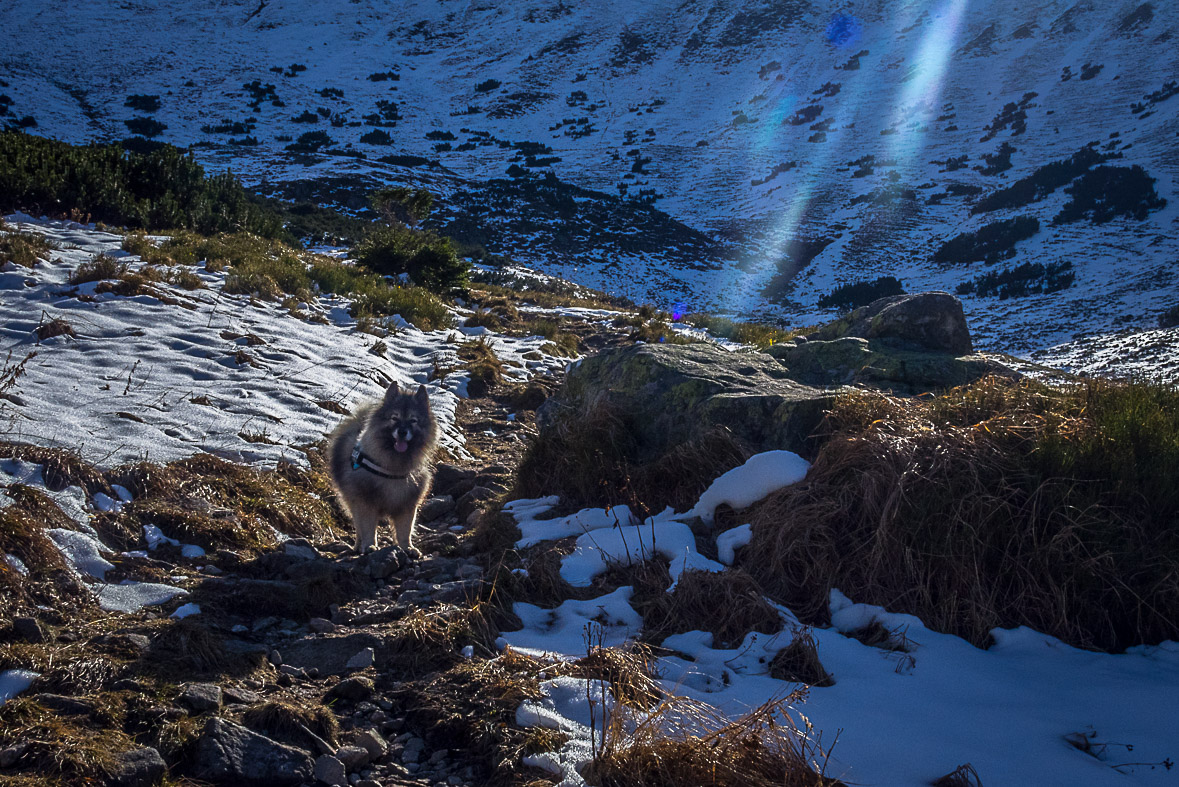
{"points": [[805, 115], [1042, 182], [853, 295], [163, 189], [998, 162], [1107, 193], [1001, 503], [991, 243], [695, 602], [591, 458], [753, 23], [631, 49], [563, 219], [145, 127], [1029, 278], [799, 662], [142, 103], [1168, 90], [1169, 318], [1012, 116]]}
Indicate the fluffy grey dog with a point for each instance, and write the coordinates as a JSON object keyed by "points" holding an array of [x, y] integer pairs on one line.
{"points": [[380, 464]]}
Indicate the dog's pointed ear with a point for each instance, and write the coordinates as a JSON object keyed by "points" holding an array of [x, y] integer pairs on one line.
{"points": [[393, 390], [422, 395]]}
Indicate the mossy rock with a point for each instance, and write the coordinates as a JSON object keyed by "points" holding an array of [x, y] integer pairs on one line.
{"points": [[674, 393]]}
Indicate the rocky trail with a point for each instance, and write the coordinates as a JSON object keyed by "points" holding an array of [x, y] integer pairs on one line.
{"points": [[306, 663]]}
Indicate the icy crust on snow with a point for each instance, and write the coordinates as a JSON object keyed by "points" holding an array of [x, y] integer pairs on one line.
{"points": [[903, 716], [14, 681], [144, 379], [576, 707]]}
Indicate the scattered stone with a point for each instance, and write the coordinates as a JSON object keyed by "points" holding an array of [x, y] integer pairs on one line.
{"points": [[362, 660], [228, 752], [353, 689], [446, 476], [331, 653], [469, 571], [330, 770], [27, 630], [11, 754], [353, 757], [469, 502], [202, 697], [373, 743], [62, 704], [137, 768], [436, 508], [275, 657], [461, 590], [300, 549], [293, 671], [368, 783], [232, 695], [386, 561], [321, 625]]}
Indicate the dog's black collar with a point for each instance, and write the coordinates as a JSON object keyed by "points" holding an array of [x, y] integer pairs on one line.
{"points": [[361, 462]]}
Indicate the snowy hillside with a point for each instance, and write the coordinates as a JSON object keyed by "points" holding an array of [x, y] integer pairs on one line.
{"points": [[788, 147]]}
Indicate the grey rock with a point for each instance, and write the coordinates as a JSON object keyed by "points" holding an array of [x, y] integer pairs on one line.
{"points": [[373, 743], [368, 783], [385, 561], [331, 653], [137, 768], [10, 755], [201, 697], [672, 393], [469, 503], [457, 591], [229, 753], [321, 625], [330, 770], [436, 508], [362, 660], [299, 549], [62, 704], [232, 695], [27, 629], [447, 476], [925, 320], [353, 689], [293, 671], [353, 757]]}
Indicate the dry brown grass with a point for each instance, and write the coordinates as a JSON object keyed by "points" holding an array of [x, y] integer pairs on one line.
{"points": [[59, 467], [100, 268], [729, 605], [687, 743], [62, 748], [23, 248], [55, 327], [592, 458], [998, 504], [290, 719], [429, 640], [484, 366], [220, 504], [184, 649], [799, 662]]}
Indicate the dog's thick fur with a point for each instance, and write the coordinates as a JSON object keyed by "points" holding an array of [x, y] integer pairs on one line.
{"points": [[400, 419]]}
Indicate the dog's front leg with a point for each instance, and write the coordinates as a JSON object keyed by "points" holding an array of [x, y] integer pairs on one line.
{"points": [[403, 525], [365, 522]]}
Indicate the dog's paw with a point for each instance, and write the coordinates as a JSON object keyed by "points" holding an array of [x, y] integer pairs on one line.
{"points": [[414, 553]]}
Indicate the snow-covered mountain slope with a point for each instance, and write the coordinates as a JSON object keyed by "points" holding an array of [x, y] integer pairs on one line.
{"points": [[784, 143]]}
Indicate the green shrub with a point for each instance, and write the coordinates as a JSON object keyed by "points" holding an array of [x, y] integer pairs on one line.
{"points": [[755, 333], [861, 293], [487, 86], [427, 259], [142, 103], [1041, 183], [161, 189]]}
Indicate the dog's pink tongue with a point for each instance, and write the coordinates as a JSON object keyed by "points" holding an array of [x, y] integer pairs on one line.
{"points": [[401, 446]]}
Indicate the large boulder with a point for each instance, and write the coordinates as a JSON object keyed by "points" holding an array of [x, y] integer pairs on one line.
{"points": [[930, 321], [228, 753], [672, 393], [853, 360]]}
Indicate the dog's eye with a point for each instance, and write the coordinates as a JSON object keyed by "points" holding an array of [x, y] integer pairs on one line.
{"points": [[413, 422]]}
